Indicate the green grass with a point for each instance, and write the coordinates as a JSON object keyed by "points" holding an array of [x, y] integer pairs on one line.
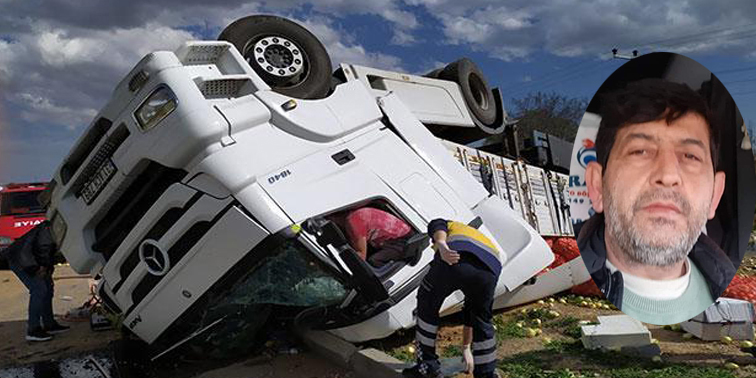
{"points": [[573, 331], [507, 329], [542, 313], [530, 371], [671, 372], [451, 351], [562, 322], [402, 354], [558, 346], [539, 364]]}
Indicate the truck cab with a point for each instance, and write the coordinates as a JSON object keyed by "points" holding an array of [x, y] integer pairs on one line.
{"points": [[202, 198]]}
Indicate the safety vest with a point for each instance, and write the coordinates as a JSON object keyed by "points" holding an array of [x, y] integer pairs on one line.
{"points": [[463, 238]]}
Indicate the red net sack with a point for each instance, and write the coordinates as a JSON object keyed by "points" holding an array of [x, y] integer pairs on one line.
{"points": [[742, 287]]}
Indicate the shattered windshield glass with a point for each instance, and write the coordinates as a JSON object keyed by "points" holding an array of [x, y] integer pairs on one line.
{"points": [[290, 276]]}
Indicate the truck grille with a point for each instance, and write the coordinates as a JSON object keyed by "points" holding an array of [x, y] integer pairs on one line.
{"points": [[176, 252], [135, 201], [155, 233], [88, 143], [93, 171]]}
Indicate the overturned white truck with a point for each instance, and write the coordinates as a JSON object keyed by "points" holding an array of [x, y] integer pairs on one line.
{"points": [[201, 191]]}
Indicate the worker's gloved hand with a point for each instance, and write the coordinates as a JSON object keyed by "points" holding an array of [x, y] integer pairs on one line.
{"points": [[449, 256], [468, 358]]}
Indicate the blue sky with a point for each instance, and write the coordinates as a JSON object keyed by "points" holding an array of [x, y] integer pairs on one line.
{"points": [[58, 63]]}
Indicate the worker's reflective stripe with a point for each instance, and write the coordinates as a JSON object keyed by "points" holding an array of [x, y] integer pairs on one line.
{"points": [[426, 327], [488, 344], [427, 341], [485, 358]]}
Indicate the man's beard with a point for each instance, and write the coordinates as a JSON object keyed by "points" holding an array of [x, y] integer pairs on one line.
{"points": [[639, 247]]}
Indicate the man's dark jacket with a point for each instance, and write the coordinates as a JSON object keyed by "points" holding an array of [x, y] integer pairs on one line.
{"points": [[713, 263], [34, 249]]}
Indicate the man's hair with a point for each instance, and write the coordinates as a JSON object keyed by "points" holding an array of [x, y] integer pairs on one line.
{"points": [[650, 100]]}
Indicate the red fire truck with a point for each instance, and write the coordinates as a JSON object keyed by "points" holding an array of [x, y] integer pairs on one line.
{"points": [[20, 211]]}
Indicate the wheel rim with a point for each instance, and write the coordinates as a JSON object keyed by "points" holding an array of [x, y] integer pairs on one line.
{"points": [[277, 56], [478, 91]]}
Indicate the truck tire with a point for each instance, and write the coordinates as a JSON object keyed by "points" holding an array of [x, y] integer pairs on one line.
{"points": [[478, 95], [285, 55], [434, 74]]}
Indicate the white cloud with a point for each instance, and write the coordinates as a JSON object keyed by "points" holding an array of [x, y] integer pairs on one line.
{"points": [[7, 56], [508, 53], [61, 74], [42, 109], [401, 18], [428, 66], [342, 50], [402, 38], [59, 50], [460, 29], [579, 28]]}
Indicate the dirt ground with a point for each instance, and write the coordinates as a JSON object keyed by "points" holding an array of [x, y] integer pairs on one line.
{"points": [[72, 290]]}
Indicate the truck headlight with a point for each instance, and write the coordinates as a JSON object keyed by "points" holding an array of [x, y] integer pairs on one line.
{"points": [[157, 106], [58, 229], [5, 241]]}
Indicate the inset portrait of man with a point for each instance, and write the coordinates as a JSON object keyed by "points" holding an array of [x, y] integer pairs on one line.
{"points": [[653, 186]]}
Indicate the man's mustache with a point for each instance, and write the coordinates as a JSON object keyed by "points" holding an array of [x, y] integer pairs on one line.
{"points": [[652, 196]]}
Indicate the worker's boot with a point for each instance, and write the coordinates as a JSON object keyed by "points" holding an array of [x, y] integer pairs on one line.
{"points": [[38, 334], [56, 328]]}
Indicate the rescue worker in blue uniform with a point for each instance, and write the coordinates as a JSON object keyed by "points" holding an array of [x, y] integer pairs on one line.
{"points": [[466, 260]]}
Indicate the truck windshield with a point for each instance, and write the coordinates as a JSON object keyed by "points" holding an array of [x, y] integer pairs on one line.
{"points": [[289, 276], [17, 203]]}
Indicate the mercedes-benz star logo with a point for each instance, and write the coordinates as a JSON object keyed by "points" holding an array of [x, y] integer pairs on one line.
{"points": [[157, 261]]}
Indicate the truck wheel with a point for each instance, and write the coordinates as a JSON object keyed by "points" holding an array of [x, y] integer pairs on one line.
{"points": [[285, 55], [478, 95], [434, 74]]}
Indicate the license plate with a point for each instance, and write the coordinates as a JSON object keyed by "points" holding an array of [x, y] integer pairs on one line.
{"points": [[98, 181]]}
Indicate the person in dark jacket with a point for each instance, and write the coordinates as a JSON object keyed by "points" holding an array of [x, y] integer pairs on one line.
{"points": [[653, 187], [32, 258], [466, 260]]}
